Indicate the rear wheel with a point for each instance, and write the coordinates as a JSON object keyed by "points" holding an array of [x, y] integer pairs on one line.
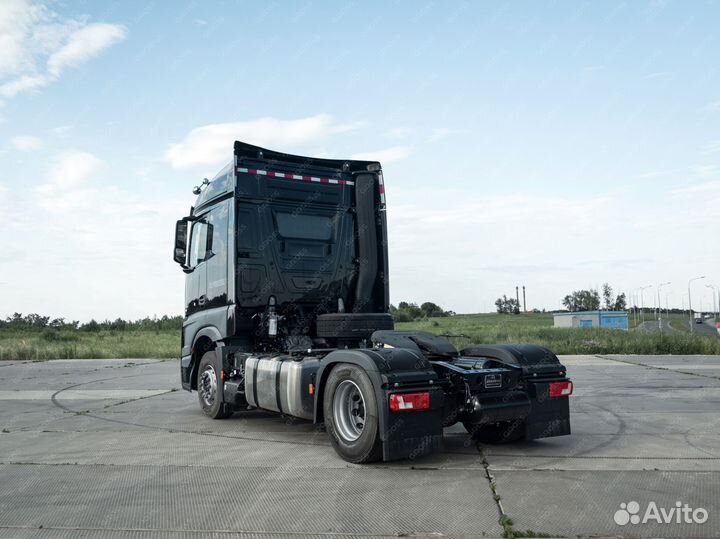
{"points": [[503, 432], [210, 387], [351, 414]]}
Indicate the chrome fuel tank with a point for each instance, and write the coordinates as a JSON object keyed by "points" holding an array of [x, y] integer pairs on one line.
{"points": [[281, 384]]}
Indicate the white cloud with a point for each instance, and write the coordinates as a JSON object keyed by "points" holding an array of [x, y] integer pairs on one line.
{"points": [[83, 45], [400, 132], [61, 130], [706, 188], [712, 147], [388, 155], [22, 84], [705, 171], [37, 45], [713, 107], [529, 234], [118, 237], [86, 231], [17, 17], [552, 242], [69, 171], [26, 143], [440, 133], [212, 144]]}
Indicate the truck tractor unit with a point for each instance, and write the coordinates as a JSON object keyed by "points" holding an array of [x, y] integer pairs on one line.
{"points": [[287, 310]]}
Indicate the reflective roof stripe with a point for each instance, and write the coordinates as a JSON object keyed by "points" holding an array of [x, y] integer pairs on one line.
{"points": [[289, 176]]}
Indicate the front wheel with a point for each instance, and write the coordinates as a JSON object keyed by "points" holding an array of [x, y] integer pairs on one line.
{"points": [[351, 414], [503, 432], [210, 387]]}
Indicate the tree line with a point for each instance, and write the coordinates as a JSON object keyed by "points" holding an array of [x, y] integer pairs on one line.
{"points": [[409, 312], [36, 321], [578, 300], [591, 300], [404, 312]]}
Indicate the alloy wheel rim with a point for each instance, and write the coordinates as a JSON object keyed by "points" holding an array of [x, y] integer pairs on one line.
{"points": [[349, 411], [208, 385]]}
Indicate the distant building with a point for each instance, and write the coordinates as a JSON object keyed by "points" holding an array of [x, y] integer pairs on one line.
{"points": [[592, 319]]}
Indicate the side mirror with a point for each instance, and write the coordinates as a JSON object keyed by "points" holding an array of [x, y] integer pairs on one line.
{"points": [[181, 235]]}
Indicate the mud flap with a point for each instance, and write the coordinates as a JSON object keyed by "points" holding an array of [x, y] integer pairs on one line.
{"points": [[548, 417], [186, 372], [412, 434]]}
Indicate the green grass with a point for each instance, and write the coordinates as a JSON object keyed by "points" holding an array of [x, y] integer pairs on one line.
{"points": [[73, 344], [478, 328], [537, 329]]}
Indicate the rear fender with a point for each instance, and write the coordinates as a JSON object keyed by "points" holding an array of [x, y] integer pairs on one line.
{"points": [[385, 367], [390, 370], [547, 416], [533, 360]]}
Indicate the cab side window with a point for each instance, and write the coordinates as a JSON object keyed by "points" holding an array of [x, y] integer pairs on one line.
{"points": [[198, 243], [217, 253]]}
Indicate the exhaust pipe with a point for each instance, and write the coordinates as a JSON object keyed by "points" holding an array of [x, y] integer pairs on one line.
{"points": [[367, 242]]}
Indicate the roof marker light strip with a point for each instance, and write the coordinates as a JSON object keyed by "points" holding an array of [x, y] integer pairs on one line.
{"points": [[288, 176]]}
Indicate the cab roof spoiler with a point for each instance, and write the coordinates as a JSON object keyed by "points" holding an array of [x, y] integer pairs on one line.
{"points": [[245, 151]]}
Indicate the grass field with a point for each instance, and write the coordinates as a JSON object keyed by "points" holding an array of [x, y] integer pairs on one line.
{"points": [[477, 328], [537, 329], [75, 344]]}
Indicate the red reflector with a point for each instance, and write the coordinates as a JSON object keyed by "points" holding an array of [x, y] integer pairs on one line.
{"points": [[409, 401], [561, 389]]}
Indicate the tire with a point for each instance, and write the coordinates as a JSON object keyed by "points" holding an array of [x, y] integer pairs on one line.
{"points": [[503, 432], [349, 395], [352, 325], [210, 388]]}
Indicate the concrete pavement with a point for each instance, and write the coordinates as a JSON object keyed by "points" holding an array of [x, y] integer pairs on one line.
{"points": [[113, 449]]}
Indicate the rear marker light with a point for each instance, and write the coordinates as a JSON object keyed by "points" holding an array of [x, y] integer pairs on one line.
{"points": [[381, 182], [400, 402], [561, 389]]}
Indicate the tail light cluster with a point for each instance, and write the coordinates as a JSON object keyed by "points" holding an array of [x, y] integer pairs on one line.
{"points": [[561, 389], [408, 402]]}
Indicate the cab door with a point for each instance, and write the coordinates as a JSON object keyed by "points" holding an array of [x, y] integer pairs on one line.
{"points": [[216, 256], [207, 285]]}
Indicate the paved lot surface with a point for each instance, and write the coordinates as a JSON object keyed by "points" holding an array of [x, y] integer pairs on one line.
{"points": [[112, 449], [706, 329]]}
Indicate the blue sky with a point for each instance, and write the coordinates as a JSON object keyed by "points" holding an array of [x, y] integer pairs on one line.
{"points": [[553, 144]]}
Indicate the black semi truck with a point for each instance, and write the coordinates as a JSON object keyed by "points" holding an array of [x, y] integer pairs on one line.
{"points": [[287, 310]]}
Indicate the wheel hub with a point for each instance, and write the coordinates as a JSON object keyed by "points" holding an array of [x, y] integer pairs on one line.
{"points": [[349, 410], [208, 385]]}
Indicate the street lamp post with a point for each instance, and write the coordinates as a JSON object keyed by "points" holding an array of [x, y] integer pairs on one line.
{"points": [[660, 304], [692, 326], [642, 301], [715, 305]]}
